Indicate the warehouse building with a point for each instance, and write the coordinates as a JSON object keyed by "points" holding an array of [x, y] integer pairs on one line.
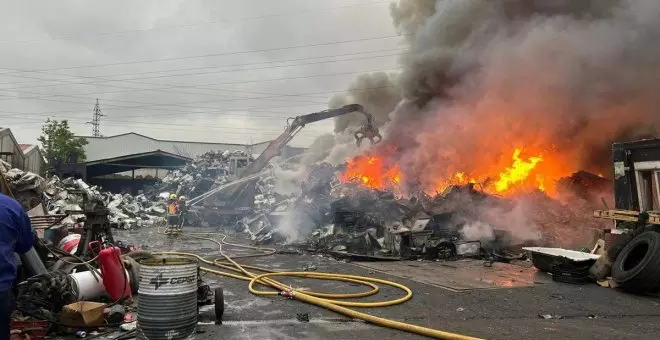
{"points": [[131, 161], [27, 157], [10, 149], [33, 159]]}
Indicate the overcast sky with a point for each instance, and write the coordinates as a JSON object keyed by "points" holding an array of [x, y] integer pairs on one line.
{"points": [[199, 70]]}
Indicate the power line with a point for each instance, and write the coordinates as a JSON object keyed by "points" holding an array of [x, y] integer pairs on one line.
{"points": [[206, 55], [71, 77], [43, 98], [194, 74], [178, 125], [175, 112], [73, 36], [196, 86], [149, 125], [160, 89], [10, 114], [186, 113], [192, 107]]}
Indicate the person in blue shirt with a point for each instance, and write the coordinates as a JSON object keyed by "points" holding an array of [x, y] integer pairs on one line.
{"points": [[15, 237]]}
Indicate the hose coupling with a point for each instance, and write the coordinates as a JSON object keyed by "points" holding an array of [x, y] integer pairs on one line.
{"points": [[289, 294]]}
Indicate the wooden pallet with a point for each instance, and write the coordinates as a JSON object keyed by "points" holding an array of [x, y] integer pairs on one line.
{"points": [[626, 215]]}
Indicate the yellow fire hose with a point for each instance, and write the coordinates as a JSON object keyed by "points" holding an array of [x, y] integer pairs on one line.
{"points": [[331, 302]]}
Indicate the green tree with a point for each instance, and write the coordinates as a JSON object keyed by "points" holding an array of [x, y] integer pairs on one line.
{"points": [[57, 141]]}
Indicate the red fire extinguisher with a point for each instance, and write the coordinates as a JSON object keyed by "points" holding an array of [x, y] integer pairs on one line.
{"points": [[115, 279]]}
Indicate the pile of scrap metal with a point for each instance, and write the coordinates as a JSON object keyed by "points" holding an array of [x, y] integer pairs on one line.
{"points": [[349, 219], [80, 279], [128, 211], [244, 196], [62, 195], [54, 281], [377, 224], [197, 177]]}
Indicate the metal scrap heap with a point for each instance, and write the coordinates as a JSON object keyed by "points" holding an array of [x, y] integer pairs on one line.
{"points": [[350, 219]]}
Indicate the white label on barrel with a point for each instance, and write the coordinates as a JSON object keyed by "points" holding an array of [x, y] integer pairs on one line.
{"points": [[171, 334], [161, 280]]}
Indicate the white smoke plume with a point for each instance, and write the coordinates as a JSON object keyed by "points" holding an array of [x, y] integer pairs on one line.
{"points": [[478, 231]]}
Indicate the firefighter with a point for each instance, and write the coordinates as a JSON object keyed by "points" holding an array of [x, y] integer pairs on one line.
{"points": [[183, 210], [172, 212]]}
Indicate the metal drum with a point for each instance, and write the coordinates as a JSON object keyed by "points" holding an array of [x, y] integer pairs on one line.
{"points": [[167, 299]]}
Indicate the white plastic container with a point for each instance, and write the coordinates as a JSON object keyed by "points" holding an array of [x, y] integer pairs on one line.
{"points": [[86, 287]]}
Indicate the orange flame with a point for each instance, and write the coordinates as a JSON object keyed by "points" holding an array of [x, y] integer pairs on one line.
{"points": [[523, 174], [372, 172], [517, 173]]}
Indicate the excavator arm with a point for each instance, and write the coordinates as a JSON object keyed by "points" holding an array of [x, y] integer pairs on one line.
{"points": [[294, 125], [240, 193]]}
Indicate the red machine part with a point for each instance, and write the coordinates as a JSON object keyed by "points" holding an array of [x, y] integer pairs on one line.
{"points": [[115, 280], [70, 243], [31, 329]]}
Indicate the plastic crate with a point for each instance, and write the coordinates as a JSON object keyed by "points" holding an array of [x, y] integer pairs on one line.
{"points": [[35, 329]]}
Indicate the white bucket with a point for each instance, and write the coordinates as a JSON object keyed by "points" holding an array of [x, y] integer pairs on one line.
{"points": [[86, 286]]}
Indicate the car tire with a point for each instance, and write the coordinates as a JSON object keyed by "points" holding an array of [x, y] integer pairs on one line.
{"points": [[219, 300], [623, 239], [637, 267]]}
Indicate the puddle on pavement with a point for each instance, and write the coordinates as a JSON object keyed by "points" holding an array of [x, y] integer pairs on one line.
{"points": [[461, 275]]}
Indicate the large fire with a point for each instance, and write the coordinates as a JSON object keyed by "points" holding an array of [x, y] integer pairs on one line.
{"points": [[521, 171], [372, 172]]}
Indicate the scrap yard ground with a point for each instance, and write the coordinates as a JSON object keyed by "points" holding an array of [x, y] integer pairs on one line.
{"points": [[578, 312]]}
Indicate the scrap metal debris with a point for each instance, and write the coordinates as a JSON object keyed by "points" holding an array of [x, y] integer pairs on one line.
{"points": [[197, 177], [355, 220]]}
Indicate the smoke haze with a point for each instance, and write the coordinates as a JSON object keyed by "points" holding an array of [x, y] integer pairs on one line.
{"points": [[480, 78], [559, 79]]}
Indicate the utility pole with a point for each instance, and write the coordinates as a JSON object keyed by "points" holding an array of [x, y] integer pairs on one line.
{"points": [[96, 120]]}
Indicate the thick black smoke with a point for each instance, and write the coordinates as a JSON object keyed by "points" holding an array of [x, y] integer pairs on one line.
{"points": [[484, 76]]}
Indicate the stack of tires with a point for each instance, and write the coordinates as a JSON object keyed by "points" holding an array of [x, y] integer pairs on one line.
{"points": [[636, 261]]}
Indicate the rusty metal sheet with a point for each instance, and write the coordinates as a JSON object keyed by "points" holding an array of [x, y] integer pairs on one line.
{"points": [[461, 275]]}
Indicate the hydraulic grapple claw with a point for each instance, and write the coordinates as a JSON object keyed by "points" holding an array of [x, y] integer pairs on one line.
{"points": [[369, 132]]}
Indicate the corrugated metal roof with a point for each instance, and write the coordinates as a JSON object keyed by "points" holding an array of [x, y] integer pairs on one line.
{"points": [[99, 148], [28, 149], [7, 132]]}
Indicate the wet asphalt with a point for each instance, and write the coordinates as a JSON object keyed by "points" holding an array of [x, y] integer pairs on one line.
{"points": [[578, 311]]}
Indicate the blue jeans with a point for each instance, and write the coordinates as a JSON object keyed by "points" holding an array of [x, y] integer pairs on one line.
{"points": [[6, 309]]}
